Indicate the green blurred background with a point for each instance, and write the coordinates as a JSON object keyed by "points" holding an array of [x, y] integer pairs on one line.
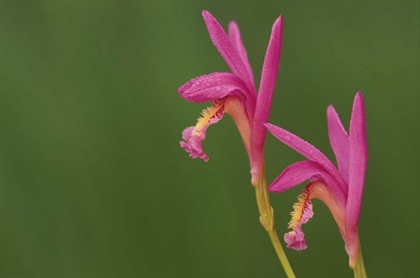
{"points": [[93, 182]]}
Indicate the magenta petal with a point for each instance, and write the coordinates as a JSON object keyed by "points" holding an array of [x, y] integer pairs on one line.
{"points": [[294, 175], [303, 170], [308, 151], [235, 37], [339, 141], [265, 93], [357, 172], [211, 87], [226, 49]]}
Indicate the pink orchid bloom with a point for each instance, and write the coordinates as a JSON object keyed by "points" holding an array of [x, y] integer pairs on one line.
{"points": [[340, 189], [234, 93]]}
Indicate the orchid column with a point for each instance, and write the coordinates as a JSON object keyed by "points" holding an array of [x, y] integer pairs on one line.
{"points": [[235, 94]]}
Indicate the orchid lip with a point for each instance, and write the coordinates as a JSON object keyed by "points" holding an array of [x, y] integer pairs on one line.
{"points": [[303, 212], [194, 135]]}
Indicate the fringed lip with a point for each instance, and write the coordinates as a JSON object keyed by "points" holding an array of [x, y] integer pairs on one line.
{"points": [[193, 136], [303, 212]]}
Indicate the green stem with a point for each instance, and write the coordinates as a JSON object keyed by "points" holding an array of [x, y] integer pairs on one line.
{"points": [[267, 221], [359, 270], [280, 253]]}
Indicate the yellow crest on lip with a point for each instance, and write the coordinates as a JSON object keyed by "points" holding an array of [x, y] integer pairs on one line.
{"points": [[298, 209], [207, 114]]}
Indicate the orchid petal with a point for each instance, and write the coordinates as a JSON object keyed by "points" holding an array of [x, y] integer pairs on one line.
{"points": [[303, 170], [226, 49], [339, 141], [302, 212], [265, 93], [235, 37], [215, 86], [211, 87], [308, 151], [357, 172]]}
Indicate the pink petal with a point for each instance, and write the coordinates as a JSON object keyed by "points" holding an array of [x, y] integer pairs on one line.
{"points": [[226, 49], [192, 143], [215, 86], [211, 87], [339, 142], [265, 94], [298, 172], [235, 37], [357, 172], [308, 151]]}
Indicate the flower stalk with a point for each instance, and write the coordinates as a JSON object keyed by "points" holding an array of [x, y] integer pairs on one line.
{"points": [[359, 269], [234, 93], [267, 221]]}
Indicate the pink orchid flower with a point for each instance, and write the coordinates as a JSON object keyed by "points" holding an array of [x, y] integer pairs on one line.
{"points": [[234, 93], [340, 189]]}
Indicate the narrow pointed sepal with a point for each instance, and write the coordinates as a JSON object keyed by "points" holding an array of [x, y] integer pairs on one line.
{"points": [[265, 95]]}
